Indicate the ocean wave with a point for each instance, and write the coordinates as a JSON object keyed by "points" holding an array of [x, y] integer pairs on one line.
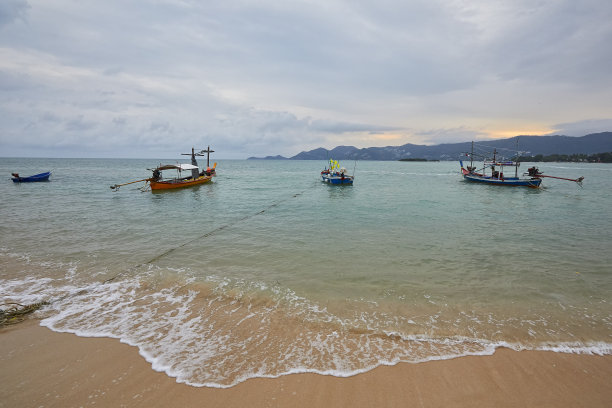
{"points": [[218, 335]]}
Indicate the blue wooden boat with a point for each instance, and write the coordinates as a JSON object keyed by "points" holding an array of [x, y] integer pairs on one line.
{"points": [[30, 179], [336, 175], [492, 172], [499, 179]]}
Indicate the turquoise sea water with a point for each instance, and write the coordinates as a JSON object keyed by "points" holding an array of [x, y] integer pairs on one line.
{"points": [[267, 271]]}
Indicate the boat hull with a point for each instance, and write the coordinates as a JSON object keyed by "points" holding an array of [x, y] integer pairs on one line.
{"points": [[337, 180], [32, 179], [174, 184], [510, 182]]}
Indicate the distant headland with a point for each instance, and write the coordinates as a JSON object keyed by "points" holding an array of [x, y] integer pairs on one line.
{"points": [[591, 144]]}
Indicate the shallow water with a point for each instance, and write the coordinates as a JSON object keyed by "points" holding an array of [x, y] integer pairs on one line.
{"points": [[268, 271]]}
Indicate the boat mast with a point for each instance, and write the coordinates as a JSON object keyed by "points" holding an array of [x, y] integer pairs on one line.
{"points": [[208, 151], [472, 157], [195, 173], [517, 159], [193, 154]]}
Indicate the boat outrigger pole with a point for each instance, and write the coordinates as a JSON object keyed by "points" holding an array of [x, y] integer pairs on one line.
{"points": [[116, 186], [535, 172], [578, 180]]}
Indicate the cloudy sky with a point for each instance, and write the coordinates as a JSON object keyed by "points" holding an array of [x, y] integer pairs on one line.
{"points": [[152, 78]]}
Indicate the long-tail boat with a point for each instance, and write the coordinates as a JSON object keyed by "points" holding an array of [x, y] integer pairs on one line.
{"points": [[492, 172], [336, 175], [157, 182]]}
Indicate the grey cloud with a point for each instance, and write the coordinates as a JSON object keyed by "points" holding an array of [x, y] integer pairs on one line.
{"points": [[583, 127], [79, 124], [12, 10], [331, 126], [119, 121], [160, 127], [455, 135], [562, 41], [13, 81], [271, 76], [362, 49], [112, 71], [277, 122], [256, 130]]}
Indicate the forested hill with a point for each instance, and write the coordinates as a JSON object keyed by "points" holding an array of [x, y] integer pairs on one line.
{"points": [[528, 145]]}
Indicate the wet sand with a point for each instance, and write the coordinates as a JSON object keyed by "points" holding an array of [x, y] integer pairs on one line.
{"points": [[41, 368]]}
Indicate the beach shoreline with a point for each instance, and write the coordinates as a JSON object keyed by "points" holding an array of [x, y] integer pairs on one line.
{"points": [[39, 367]]}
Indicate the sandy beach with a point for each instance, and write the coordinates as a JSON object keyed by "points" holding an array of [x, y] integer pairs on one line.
{"points": [[41, 368]]}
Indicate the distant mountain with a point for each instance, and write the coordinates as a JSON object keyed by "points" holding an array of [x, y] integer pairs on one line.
{"points": [[528, 145], [277, 157]]}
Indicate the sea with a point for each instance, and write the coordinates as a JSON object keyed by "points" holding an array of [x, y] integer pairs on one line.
{"points": [[267, 271]]}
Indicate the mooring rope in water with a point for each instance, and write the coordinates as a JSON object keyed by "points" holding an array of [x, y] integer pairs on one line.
{"points": [[208, 234], [15, 312]]}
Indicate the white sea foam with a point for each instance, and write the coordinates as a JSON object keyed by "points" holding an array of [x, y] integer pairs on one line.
{"points": [[193, 346]]}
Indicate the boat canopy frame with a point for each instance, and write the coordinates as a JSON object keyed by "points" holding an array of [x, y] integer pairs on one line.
{"points": [[178, 166]]}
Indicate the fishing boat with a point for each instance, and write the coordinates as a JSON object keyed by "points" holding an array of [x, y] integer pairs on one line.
{"points": [[157, 182], [30, 179], [492, 172], [336, 175], [195, 177]]}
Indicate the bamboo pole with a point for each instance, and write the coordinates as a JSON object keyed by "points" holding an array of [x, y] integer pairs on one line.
{"points": [[578, 180], [116, 186]]}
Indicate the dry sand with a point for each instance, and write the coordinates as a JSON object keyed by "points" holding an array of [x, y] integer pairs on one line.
{"points": [[41, 368]]}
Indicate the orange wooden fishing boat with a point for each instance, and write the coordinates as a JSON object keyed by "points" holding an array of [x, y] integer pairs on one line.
{"points": [[156, 182], [180, 182]]}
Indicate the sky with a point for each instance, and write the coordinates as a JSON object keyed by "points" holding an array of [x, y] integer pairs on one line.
{"points": [[153, 78]]}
